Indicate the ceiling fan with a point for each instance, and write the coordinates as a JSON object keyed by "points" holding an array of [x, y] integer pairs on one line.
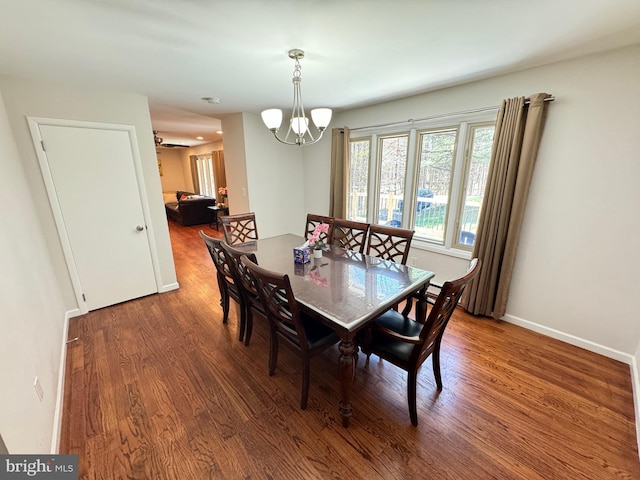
{"points": [[159, 141]]}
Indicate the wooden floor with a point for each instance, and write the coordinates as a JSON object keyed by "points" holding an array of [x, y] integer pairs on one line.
{"points": [[159, 388]]}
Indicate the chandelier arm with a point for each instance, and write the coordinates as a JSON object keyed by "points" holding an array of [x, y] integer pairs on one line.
{"points": [[298, 106], [287, 135], [314, 140], [298, 116]]}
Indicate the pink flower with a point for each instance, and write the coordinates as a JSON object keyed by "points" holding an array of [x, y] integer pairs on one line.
{"points": [[314, 239], [321, 228]]}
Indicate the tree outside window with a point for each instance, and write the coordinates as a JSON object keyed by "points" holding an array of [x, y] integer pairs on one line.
{"points": [[357, 195], [447, 175], [392, 172]]}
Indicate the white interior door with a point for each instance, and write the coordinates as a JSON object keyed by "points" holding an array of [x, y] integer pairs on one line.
{"points": [[100, 215]]}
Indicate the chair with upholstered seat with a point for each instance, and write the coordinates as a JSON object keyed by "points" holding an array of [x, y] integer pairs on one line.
{"points": [[313, 221], [249, 299], [390, 243], [408, 342], [349, 235], [306, 335], [239, 228], [226, 284]]}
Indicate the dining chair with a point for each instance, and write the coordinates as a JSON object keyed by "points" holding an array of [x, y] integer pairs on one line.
{"points": [[239, 228], [408, 342], [306, 335], [389, 243], [226, 284], [349, 235], [313, 221], [249, 299]]}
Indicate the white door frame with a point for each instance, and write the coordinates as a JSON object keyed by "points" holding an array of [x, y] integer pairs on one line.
{"points": [[34, 127]]}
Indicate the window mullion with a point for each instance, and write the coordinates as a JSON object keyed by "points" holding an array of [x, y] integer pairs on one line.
{"points": [[456, 180], [374, 176], [410, 181]]}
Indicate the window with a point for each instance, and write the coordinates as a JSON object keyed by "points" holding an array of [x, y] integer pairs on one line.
{"points": [[204, 166], [475, 178], [358, 180], [435, 166], [392, 172], [430, 179]]}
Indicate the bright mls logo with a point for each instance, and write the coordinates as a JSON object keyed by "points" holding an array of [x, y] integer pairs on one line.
{"points": [[50, 467]]}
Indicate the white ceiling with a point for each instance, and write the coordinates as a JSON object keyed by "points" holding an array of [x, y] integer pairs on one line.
{"points": [[358, 52]]}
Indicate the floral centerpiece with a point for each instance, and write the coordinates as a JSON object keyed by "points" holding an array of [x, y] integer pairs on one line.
{"points": [[222, 191], [316, 241]]}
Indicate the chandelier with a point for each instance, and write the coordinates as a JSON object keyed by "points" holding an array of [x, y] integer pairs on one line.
{"points": [[299, 123]]}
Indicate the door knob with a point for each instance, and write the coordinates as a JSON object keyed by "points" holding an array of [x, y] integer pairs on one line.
{"points": [[139, 228]]}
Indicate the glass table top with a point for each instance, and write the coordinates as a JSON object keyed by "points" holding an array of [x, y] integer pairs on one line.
{"points": [[345, 287]]}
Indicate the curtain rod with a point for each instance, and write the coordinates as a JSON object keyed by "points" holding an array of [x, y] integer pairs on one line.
{"points": [[444, 115]]}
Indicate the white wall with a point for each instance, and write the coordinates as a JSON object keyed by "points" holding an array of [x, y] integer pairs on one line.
{"points": [[270, 173], [317, 174], [235, 164], [275, 178], [172, 178], [32, 312], [200, 149], [24, 97], [577, 244]]}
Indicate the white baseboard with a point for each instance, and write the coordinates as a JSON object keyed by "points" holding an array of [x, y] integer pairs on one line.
{"points": [[592, 347], [169, 287], [57, 418], [635, 381], [74, 313], [571, 339]]}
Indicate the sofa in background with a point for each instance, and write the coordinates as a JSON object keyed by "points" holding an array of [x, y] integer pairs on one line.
{"points": [[189, 208]]}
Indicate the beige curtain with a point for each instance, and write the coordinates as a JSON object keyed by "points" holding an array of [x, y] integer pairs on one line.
{"points": [[194, 173], [516, 140], [219, 173], [339, 172]]}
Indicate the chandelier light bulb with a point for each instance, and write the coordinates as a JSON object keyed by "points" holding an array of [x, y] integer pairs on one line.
{"points": [[299, 125]]}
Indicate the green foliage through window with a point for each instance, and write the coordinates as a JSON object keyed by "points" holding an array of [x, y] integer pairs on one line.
{"points": [[446, 180]]}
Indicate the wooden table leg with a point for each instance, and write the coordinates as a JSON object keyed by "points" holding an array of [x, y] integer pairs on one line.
{"points": [[213, 218], [348, 350]]}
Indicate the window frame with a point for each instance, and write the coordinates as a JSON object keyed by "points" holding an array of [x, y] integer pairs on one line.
{"points": [[454, 173], [464, 124], [470, 128], [377, 165], [370, 169]]}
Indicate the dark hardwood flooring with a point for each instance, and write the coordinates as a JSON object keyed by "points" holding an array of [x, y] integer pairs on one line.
{"points": [[159, 388]]}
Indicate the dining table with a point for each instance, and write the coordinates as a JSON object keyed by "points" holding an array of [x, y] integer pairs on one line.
{"points": [[344, 289]]}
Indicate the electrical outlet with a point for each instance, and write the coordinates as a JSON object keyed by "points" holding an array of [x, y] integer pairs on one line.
{"points": [[244, 192], [38, 387], [413, 261]]}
